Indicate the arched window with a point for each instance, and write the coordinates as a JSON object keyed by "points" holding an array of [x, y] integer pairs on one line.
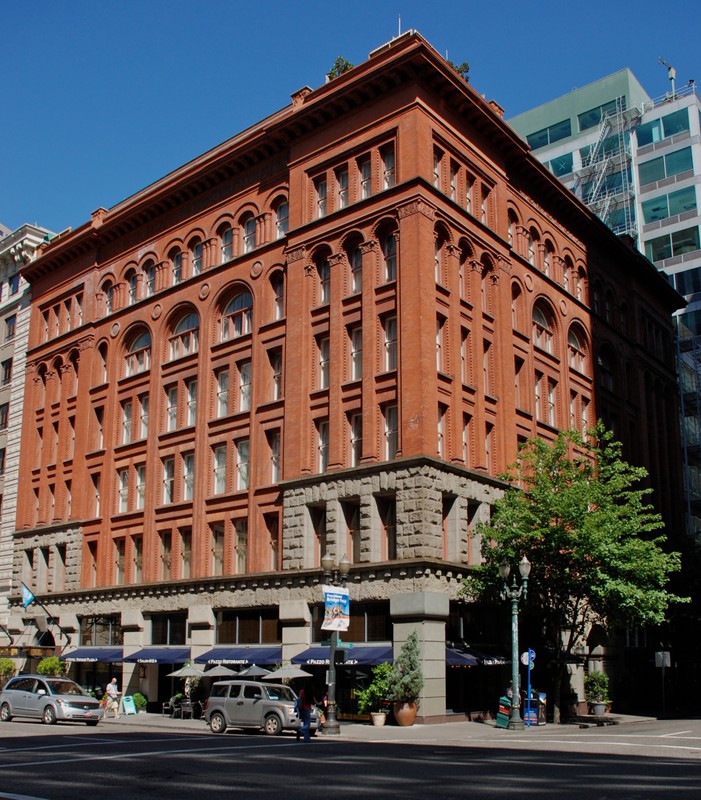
{"points": [[438, 252], [576, 354], [196, 255], [512, 222], [542, 329], [579, 285], [567, 274], [548, 253], [133, 284], [607, 368], [532, 247], [138, 358], [277, 283], [389, 255], [324, 271], [516, 301], [236, 319], [356, 267], [282, 214], [248, 227], [109, 294], [185, 336], [149, 270], [176, 266], [226, 243]]}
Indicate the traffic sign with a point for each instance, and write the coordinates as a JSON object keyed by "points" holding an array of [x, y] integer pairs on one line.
{"points": [[528, 658]]}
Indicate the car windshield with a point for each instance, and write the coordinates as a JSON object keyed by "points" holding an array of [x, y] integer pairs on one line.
{"points": [[66, 687], [281, 693]]}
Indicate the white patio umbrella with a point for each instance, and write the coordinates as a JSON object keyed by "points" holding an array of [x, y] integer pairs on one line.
{"points": [[188, 671], [220, 671], [254, 671], [286, 673]]}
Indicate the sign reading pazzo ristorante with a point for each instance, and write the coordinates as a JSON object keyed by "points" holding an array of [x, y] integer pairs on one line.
{"points": [[336, 609]]}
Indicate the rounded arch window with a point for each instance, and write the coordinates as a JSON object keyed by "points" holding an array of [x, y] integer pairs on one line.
{"points": [[109, 293], [548, 254], [282, 218], [132, 286], [323, 269], [196, 256], [237, 316], [512, 222], [185, 337], [176, 266], [606, 362], [277, 283], [516, 303], [138, 357], [543, 328], [388, 244], [248, 227], [226, 242], [149, 271], [576, 350]]}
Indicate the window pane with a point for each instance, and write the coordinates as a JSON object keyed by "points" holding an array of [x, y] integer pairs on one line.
{"points": [[685, 241], [651, 171], [683, 200], [655, 209], [560, 130], [679, 162], [562, 165], [676, 122], [649, 132], [659, 248]]}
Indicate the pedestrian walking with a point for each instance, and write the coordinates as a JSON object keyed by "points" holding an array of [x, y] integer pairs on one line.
{"points": [[113, 697], [305, 703]]}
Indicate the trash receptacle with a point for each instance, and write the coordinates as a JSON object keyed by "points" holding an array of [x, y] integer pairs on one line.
{"points": [[504, 712]]}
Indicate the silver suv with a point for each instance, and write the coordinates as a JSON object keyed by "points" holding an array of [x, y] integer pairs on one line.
{"points": [[248, 704], [48, 699]]}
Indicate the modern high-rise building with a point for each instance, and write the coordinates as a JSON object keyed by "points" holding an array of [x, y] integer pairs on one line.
{"points": [[17, 249], [329, 334], [636, 161]]}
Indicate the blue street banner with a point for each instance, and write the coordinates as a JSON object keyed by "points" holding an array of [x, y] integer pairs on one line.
{"points": [[27, 596], [336, 609]]}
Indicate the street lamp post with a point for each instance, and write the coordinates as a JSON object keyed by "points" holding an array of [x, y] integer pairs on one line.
{"points": [[514, 593], [334, 575]]}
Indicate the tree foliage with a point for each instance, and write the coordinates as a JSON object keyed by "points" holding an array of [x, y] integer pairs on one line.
{"points": [[340, 65], [462, 69], [406, 679], [580, 514]]}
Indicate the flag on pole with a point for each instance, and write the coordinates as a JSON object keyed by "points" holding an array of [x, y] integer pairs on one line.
{"points": [[27, 596]]}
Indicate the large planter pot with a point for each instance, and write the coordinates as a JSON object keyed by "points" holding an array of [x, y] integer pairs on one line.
{"points": [[404, 712], [598, 709], [378, 718]]}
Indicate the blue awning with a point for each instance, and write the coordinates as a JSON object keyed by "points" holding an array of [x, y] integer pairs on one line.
{"points": [[160, 655], [242, 655], [91, 655], [357, 656]]}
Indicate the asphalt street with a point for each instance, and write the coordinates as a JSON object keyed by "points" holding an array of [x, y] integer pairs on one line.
{"points": [[154, 759]]}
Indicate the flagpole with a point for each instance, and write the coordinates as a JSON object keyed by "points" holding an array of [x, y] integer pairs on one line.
{"points": [[28, 597]]}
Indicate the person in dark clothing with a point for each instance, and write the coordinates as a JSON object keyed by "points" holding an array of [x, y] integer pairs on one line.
{"points": [[305, 703]]}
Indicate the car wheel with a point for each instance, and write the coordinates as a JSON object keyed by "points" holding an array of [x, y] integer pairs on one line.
{"points": [[5, 713], [217, 723], [92, 722], [272, 725], [49, 716]]}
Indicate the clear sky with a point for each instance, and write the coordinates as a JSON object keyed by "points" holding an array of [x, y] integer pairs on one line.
{"points": [[100, 99]]}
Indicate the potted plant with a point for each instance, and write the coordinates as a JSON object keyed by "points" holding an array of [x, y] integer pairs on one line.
{"points": [[406, 681], [373, 697], [140, 702], [596, 691]]}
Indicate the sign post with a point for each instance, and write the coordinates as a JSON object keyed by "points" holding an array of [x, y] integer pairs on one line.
{"points": [[527, 659]]}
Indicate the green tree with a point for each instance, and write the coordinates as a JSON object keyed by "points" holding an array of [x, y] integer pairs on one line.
{"points": [[406, 679], [50, 666], [463, 70], [578, 512], [340, 65]]}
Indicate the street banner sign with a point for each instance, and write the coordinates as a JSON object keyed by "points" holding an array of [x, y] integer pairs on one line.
{"points": [[336, 608]]}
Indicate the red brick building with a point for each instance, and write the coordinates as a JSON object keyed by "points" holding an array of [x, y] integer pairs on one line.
{"points": [[328, 333]]}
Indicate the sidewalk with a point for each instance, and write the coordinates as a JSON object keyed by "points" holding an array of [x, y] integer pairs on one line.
{"points": [[441, 733]]}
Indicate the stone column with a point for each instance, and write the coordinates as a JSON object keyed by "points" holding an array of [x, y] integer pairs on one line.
{"points": [[296, 627], [425, 612]]}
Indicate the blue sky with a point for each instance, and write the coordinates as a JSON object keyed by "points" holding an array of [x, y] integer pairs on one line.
{"points": [[99, 100]]}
